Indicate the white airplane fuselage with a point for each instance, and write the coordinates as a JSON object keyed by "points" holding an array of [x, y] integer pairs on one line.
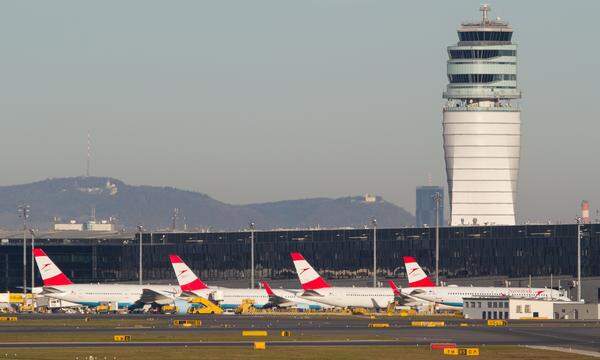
{"points": [[366, 297], [452, 296], [124, 295]]}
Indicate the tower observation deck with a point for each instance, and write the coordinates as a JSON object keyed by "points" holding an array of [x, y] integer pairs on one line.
{"points": [[482, 128]]}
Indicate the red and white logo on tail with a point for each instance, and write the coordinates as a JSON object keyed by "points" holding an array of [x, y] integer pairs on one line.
{"points": [[416, 275], [309, 278], [51, 274], [188, 281]]}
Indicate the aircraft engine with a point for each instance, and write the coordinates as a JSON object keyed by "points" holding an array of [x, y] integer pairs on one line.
{"points": [[182, 306]]}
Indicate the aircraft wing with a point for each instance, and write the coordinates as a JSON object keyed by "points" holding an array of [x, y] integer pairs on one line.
{"points": [[188, 294], [403, 298], [276, 300], [311, 293], [150, 296], [48, 290]]}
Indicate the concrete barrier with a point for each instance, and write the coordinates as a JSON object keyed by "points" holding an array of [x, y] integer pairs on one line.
{"points": [[286, 333], [8, 318]]}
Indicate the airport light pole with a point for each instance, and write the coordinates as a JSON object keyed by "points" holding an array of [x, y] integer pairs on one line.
{"points": [[578, 219], [140, 229], [32, 232], [374, 223], [437, 198], [252, 226], [23, 211]]}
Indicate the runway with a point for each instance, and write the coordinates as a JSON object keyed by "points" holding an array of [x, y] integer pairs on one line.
{"points": [[307, 331]]}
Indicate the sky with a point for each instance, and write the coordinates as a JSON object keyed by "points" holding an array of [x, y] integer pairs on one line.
{"points": [[265, 100]]}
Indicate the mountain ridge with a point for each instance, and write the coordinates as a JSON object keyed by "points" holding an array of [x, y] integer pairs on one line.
{"points": [[72, 198]]}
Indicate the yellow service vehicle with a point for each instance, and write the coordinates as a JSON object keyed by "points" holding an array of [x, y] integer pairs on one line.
{"points": [[204, 306], [168, 309], [247, 307]]}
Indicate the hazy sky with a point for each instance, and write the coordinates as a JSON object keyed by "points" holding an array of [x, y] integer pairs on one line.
{"points": [[252, 101]]}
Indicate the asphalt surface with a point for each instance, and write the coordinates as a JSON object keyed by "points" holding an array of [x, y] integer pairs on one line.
{"points": [[576, 334]]}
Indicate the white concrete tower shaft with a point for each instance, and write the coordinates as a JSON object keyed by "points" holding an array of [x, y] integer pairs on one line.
{"points": [[482, 128]]}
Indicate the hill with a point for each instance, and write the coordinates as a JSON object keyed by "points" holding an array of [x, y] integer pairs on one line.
{"points": [[152, 206]]}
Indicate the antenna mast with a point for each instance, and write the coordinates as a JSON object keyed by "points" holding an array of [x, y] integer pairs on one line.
{"points": [[89, 155], [485, 8]]}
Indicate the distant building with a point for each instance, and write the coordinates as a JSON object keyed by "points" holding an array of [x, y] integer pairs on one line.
{"points": [[370, 198], [72, 225], [504, 308], [425, 209], [99, 226], [92, 225]]}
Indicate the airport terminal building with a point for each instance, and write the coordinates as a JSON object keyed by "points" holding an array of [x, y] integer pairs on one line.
{"points": [[465, 252]]}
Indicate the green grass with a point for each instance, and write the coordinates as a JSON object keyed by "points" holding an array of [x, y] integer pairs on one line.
{"points": [[92, 323], [183, 335], [327, 352]]}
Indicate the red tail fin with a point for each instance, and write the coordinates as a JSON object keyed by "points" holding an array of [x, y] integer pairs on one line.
{"points": [[308, 276], [188, 281], [416, 275], [267, 288], [51, 274], [394, 288]]}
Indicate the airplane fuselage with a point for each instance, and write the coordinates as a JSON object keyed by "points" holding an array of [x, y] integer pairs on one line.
{"points": [[365, 297], [124, 295], [452, 296]]}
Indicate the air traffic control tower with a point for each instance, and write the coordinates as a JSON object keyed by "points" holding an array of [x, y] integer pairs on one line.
{"points": [[482, 128]]}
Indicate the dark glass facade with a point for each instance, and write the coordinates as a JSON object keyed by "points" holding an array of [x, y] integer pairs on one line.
{"points": [[479, 78], [480, 53], [425, 206], [514, 251], [503, 36]]}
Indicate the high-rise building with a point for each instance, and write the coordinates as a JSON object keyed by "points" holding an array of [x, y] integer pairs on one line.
{"points": [[425, 209], [482, 128]]}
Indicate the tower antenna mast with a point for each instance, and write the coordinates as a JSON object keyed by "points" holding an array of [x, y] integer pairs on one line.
{"points": [[485, 8]]}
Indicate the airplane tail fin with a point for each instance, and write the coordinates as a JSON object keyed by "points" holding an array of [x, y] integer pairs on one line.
{"points": [[394, 288], [267, 288], [309, 277], [188, 281], [416, 275], [51, 274]]}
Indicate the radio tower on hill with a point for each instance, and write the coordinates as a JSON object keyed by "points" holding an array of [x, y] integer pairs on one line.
{"points": [[89, 155]]}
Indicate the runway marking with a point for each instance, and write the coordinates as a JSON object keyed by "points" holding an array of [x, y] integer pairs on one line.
{"points": [[566, 350], [563, 338]]}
